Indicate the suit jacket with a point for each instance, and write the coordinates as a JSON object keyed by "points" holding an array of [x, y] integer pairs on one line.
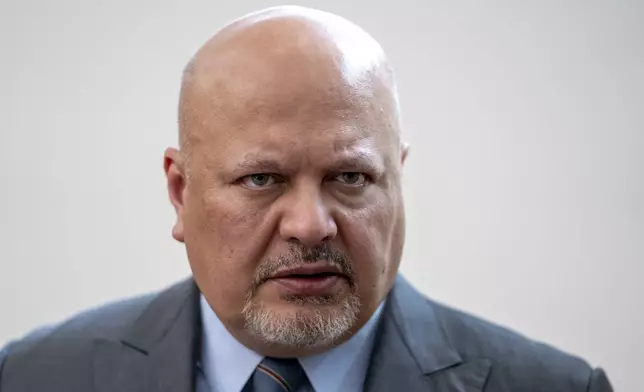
{"points": [[151, 344]]}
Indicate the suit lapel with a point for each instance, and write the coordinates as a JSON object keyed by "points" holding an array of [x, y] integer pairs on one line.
{"points": [[412, 352], [158, 353]]}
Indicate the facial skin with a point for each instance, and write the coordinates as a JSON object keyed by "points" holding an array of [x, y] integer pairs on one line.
{"points": [[289, 157]]}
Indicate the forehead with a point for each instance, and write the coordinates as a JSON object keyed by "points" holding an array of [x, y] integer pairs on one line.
{"points": [[287, 106], [298, 141]]}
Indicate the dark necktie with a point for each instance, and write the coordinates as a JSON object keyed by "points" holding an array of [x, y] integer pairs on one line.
{"points": [[277, 375]]}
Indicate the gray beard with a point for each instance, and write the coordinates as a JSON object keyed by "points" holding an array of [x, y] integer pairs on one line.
{"points": [[320, 324]]}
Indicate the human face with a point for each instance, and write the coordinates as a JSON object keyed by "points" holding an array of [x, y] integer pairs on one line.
{"points": [[293, 219]]}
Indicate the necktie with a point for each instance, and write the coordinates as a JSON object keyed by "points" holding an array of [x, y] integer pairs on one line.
{"points": [[277, 375]]}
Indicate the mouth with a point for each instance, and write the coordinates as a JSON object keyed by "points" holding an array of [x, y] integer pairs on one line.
{"points": [[309, 280]]}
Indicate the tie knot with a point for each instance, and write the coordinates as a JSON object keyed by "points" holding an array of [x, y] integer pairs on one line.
{"points": [[279, 374]]}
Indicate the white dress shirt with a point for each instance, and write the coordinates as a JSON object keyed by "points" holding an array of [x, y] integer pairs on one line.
{"points": [[228, 364]]}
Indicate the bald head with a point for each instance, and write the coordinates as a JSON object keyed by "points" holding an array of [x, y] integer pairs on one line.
{"points": [[282, 60]]}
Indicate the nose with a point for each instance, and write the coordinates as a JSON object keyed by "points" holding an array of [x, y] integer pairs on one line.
{"points": [[306, 218]]}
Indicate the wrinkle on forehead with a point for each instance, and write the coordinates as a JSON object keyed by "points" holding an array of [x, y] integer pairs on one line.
{"points": [[284, 62]]}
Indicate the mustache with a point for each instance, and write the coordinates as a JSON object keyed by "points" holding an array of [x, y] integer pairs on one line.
{"points": [[298, 255]]}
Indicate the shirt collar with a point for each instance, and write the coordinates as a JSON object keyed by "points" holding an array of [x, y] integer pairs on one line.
{"points": [[342, 368]]}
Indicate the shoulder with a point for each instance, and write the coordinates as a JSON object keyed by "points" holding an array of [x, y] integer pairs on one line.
{"points": [[434, 330], [69, 344], [106, 321], [517, 360]]}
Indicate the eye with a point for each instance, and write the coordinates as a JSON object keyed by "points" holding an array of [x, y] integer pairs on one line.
{"points": [[352, 178], [259, 180]]}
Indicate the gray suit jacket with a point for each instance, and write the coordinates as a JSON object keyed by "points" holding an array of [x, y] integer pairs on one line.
{"points": [[151, 343]]}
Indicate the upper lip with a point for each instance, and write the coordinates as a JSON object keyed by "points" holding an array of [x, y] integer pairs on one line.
{"points": [[309, 269]]}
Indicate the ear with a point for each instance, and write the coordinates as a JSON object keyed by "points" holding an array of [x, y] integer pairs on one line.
{"points": [[404, 151], [174, 169]]}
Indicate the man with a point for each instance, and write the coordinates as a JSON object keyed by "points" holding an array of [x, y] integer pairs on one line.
{"points": [[287, 191]]}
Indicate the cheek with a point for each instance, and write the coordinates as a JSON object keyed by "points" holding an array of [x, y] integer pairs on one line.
{"points": [[368, 235], [222, 257]]}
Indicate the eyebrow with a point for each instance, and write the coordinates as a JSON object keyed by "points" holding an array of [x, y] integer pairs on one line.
{"points": [[355, 161], [259, 165], [358, 162]]}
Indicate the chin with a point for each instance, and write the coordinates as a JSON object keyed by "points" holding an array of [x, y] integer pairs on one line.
{"points": [[302, 321]]}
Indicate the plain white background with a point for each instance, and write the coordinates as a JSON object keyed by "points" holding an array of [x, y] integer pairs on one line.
{"points": [[524, 188]]}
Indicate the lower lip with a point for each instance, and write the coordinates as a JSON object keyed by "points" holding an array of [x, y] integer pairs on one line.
{"points": [[317, 285]]}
